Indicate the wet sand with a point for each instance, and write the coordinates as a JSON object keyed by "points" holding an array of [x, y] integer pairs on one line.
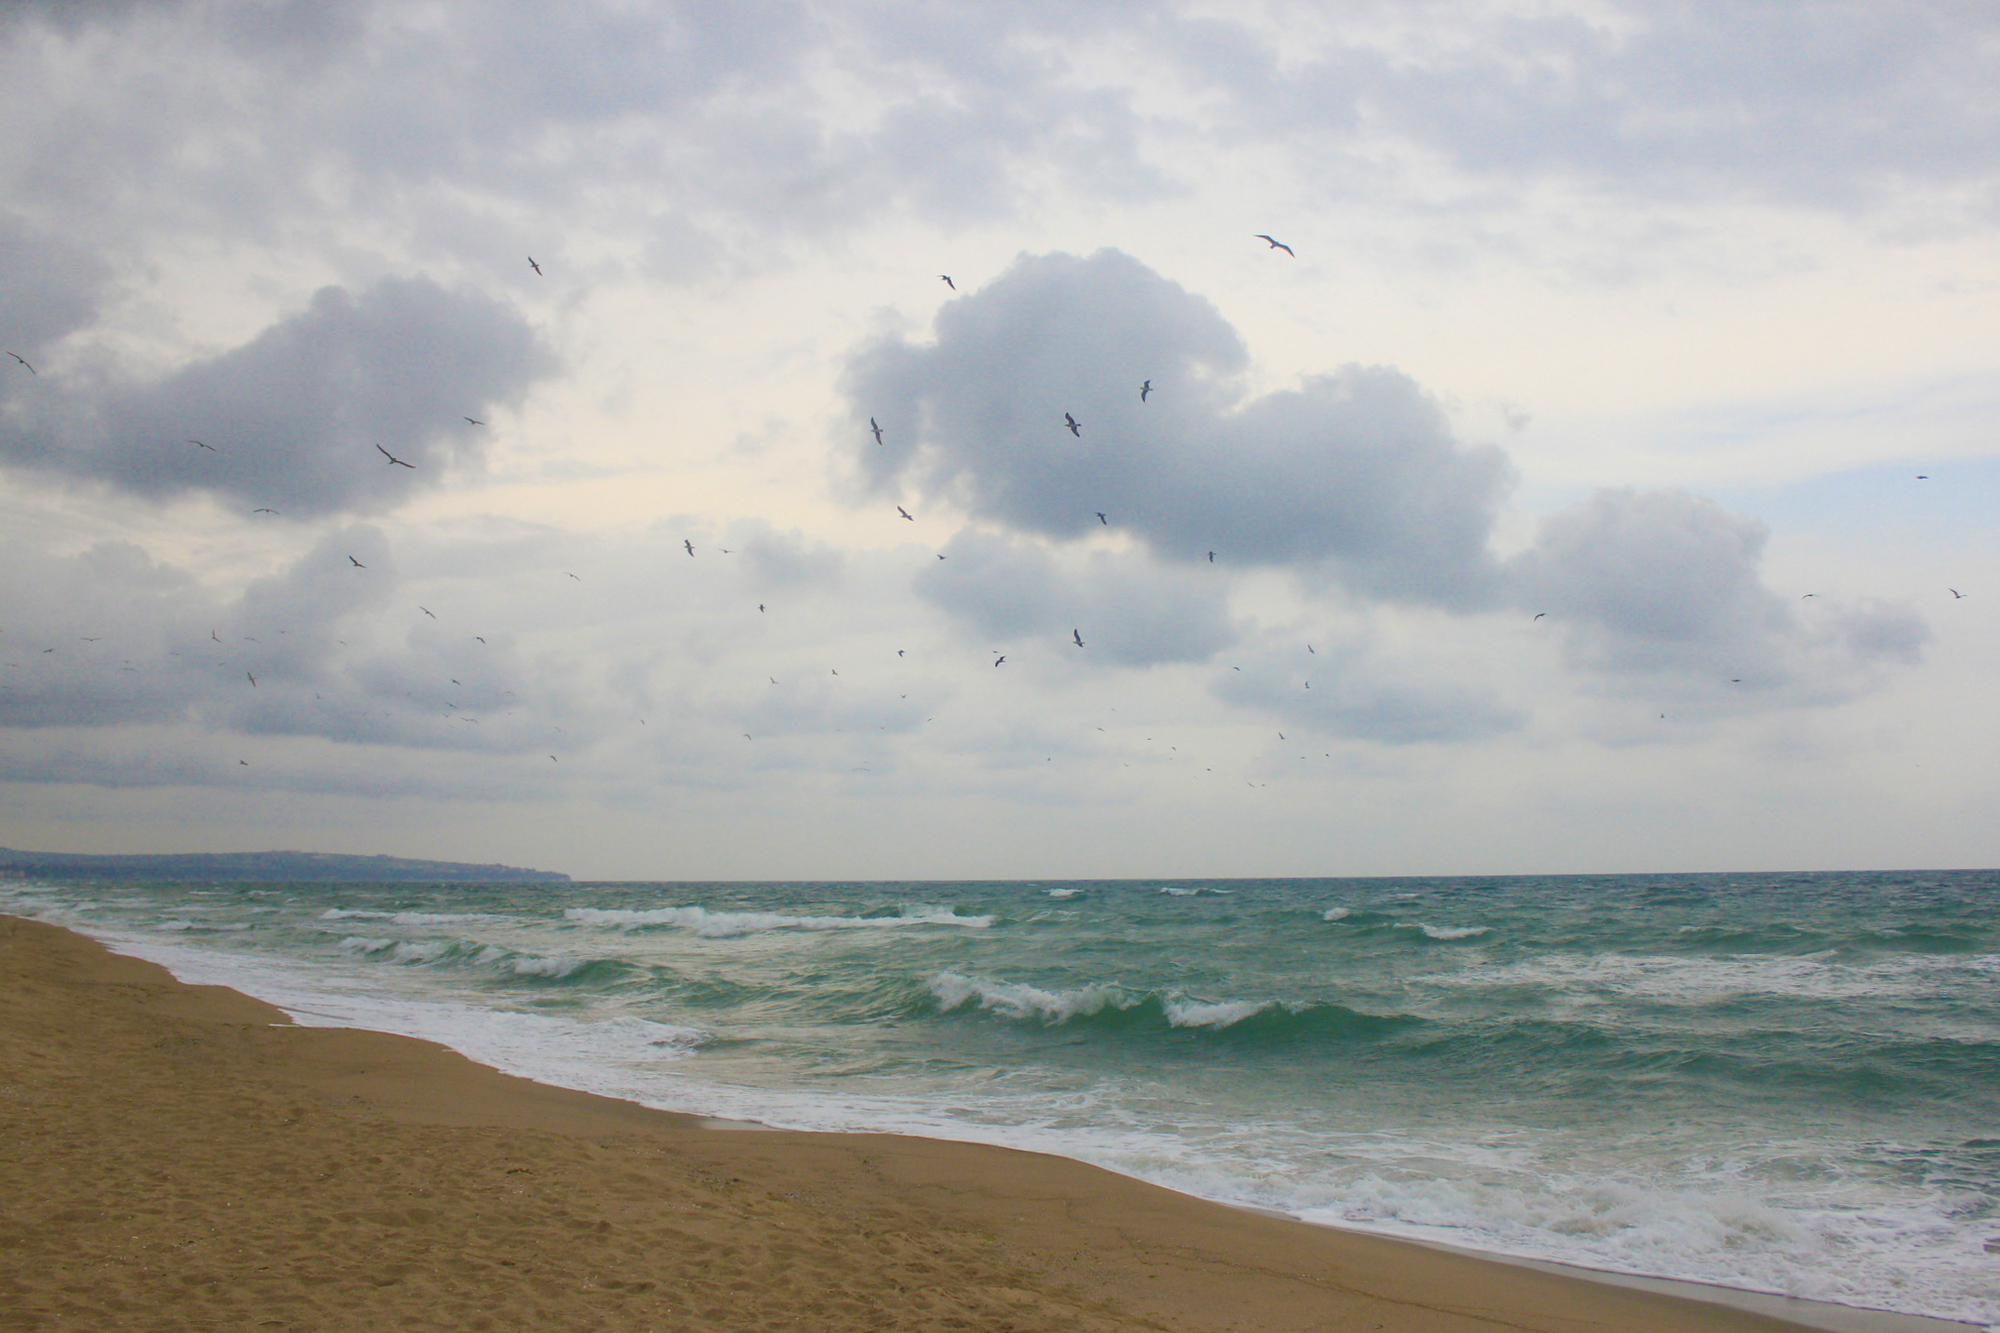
{"points": [[181, 1157]]}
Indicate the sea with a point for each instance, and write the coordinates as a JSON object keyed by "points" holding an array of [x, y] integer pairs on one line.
{"points": [[1785, 1083]]}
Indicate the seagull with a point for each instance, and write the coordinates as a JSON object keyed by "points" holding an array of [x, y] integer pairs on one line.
{"points": [[263, 511], [899, 652], [1805, 595], [577, 577], [1075, 426], [1955, 593], [1538, 616], [1101, 518], [244, 762], [1309, 648], [998, 660], [23, 360], [212, 635], [1211, 557], [356, 563], [904, 512], [477, 637], [1145, 389], [876, 429], [538, 273], [1078, 636], [475, 421], [760, 606], [427, 611], [1276, 245], [253, 680], [689, 543], [1921, 476], [946, 279], [209, 447], [393, 460]]}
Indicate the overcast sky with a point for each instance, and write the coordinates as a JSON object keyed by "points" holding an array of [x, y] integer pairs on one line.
{"points": [[1604, 479]]}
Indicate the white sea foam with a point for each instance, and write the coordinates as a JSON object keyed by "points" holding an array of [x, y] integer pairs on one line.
{"points": [[1012, 999], [1064, 893], [1336, 914], [398, 951], [554, 968], [1447, 932], [1193, 1014], [724, 925], [1175, 891]]}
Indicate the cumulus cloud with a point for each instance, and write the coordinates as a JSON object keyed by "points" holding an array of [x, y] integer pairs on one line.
{"points": [[1128, 610], [292, 419], [1355, 475], [1659, 584]]}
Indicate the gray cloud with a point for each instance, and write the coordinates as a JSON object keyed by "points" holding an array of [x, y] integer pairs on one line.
{"points": [[1354, 475], [1129, 611], [292, 418], [1840, 105], [1348, 689], [1657, 584]]}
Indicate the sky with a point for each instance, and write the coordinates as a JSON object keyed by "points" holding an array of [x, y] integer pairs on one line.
{"points": [[1509, 437]]}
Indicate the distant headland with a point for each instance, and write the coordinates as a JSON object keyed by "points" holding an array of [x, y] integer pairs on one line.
{"points": [[262, 867]]}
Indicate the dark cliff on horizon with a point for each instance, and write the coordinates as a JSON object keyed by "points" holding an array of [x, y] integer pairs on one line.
{"points": [[262, 867]]}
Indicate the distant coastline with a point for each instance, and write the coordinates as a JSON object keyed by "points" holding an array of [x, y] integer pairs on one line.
{"points": [[263, 867]]}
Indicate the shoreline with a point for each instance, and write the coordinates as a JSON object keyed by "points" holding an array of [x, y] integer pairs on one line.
{"points": [[1031, 1240]]}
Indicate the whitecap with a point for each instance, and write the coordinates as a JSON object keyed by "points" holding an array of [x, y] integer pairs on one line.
{"points": [[1227, 1013], [1013, 999], [1336, 914], [1447, 932], [1064, 893]]}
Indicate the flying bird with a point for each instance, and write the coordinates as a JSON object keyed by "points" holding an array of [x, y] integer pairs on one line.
{"points": [[1211, 557], [904, 512], [356, 563], [876, 429], [998, 660], [946, 279], [393, 460], [1075, 426], [1145, 389], [212, 635], [1955, 593], [1538, 616], [253, 680], [689, 543], [1921, 476], [538, 273], [760, 606], [427, 611], [477, 637], [899, 652], [1806, 595], [209, 447], [263, 511], [23, 360], [1078, 636], [1276, 244], [475, 421], [1101, 518]]}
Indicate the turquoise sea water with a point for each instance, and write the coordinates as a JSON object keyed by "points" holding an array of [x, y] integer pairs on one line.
{"points": [[1787, 1083]]}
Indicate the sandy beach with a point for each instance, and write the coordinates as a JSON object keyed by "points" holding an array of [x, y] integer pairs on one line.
{"points": [[180, 1157]]}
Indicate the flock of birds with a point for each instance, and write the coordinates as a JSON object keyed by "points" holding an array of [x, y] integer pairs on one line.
{"points": [[1069, 423]]}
